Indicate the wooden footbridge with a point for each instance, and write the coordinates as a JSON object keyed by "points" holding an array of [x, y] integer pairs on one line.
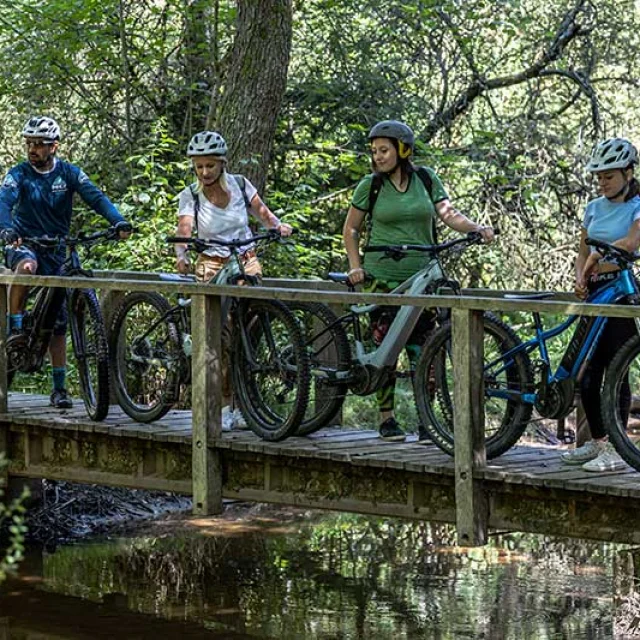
{"points": [[527, 489]]}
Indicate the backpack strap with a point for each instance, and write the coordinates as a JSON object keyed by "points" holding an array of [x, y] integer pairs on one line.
{"points": [[425, 176], [196, 205], [242, 181]]}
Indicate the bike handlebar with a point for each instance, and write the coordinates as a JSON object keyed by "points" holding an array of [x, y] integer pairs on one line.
{"points": [[621, 256], [112, 233], [200, 244], [398, 251]]}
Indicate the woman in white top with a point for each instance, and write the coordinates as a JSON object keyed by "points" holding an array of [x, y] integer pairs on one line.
{"points": [[218, 209]]}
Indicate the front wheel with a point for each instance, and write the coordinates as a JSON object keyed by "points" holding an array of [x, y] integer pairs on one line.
{"points": [[89, 340], [146, 356], [619, 396], [329, 358], [270, 368], [506, 414]]}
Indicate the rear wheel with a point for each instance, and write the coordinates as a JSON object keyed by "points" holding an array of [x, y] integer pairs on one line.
{"points": [[146, 356], [506, 415], [89, 340], [329, 355], [270, 368], [624, 431]]}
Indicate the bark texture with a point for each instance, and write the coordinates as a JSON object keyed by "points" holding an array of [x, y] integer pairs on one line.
{"points": [[255, 85]]}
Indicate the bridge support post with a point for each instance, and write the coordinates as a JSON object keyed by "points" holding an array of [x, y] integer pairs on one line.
{"points": [[206, 400], [468, 420], [4, 309], [4, 392]]}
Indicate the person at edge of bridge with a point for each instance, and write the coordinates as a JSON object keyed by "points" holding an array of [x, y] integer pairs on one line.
{"points": [[403, 213], [217, 206], [36, 199], [614, 217]]}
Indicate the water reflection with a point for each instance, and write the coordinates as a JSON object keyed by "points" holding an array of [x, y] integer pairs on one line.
{"points": [[345, 576]]}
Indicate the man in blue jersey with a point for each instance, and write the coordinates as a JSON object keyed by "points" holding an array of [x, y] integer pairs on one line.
{"points": [[36, 199]]}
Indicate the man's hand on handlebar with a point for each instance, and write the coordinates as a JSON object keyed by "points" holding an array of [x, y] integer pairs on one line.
{"points": [[124, 229], [8, 235]]}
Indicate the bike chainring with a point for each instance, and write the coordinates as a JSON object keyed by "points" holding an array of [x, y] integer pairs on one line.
{"points": [[556, 400]]}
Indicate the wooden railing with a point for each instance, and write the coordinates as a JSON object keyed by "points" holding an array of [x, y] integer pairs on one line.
{"points": [[471, 509]]}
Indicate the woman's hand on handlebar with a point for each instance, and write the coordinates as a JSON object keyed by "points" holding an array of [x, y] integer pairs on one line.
{"points": [[357, 276], [284, 229], [183, 265], [487, 233]]}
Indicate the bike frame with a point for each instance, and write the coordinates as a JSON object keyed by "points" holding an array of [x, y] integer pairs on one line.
{"points": [[405, 321], [232, 269], [612, 293]]}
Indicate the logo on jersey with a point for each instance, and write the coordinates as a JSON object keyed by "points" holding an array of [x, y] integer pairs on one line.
{"points": [[59, 185], [9, 182]]}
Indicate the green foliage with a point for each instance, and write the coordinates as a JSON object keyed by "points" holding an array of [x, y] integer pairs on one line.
{"points": [[12, 525]]}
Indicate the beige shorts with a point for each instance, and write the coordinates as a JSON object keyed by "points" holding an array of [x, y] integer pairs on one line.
{"points": [[208, 266]]}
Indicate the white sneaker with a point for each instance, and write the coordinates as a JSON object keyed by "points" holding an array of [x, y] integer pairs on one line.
{"points": [[238, 420], [608, 460], [590, 450], [227, 418]]}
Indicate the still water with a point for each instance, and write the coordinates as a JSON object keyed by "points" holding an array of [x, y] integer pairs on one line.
{"points": [[266, 573]]}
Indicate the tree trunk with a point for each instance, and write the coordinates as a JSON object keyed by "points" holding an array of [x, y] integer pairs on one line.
{"points": [[255, 85]]}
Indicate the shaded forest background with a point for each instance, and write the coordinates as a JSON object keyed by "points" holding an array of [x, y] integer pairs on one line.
{"points": [[507, 97]]}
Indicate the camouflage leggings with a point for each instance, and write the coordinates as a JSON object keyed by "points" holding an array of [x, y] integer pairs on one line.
{"points": [[381, 319]]}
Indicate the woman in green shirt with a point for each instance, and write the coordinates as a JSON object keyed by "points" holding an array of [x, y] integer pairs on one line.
{"points": [[403, 213]]}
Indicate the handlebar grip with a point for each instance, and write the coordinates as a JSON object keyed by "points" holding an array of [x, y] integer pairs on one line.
{"points": [[178, 240]]}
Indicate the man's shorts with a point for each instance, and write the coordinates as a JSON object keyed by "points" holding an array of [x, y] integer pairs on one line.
{"points": [[49, 264]]}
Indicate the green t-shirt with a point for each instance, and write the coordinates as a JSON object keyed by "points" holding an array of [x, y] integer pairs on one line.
{"points": [[399, 218]]}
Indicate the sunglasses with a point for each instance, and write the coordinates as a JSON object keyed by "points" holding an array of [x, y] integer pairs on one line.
{"points": [[38, 144]]}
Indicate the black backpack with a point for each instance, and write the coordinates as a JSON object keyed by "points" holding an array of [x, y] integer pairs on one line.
{"points": [[376, 186], [196, 202]]}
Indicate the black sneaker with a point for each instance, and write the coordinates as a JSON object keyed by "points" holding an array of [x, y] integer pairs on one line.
{"points": [[423, 435], [60, 400], [391, 432]]}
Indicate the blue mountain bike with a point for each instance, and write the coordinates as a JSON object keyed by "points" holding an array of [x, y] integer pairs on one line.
{"points": [[514, 387]]}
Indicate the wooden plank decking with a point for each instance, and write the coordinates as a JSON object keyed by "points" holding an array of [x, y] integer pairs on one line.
{"points": [[529, 487]]}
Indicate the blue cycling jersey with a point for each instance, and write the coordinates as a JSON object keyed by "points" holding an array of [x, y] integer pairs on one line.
{"points": [[39, 204]]}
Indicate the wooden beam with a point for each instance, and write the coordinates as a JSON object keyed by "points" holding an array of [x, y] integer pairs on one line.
{"points": [[4, 308], [206, 401], [468, 419], [484, 302]]}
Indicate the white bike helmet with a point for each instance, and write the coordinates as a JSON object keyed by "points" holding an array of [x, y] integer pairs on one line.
{"points": [[207, 143], [41, 127], [614, 153]]}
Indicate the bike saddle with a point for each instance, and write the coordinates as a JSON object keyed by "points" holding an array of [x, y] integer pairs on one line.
{"points": [[541, 295], [176, 277], [342, 278]]}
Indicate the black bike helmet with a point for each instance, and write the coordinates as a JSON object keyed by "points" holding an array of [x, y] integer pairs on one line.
{"points": [[398, 131]]}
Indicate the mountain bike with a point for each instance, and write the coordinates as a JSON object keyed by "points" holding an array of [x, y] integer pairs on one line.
{"points": [[341, 361], [150, 345], [513, 385], [26, 350]]}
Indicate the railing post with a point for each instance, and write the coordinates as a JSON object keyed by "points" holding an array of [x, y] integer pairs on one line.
{"points": [[206, 401], [468, 421], [4, 308]]}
